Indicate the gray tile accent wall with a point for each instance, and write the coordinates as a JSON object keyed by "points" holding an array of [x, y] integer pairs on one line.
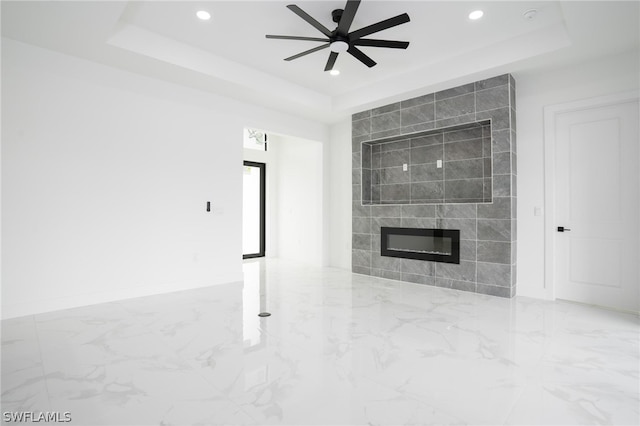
{"points": [[473, 192]]}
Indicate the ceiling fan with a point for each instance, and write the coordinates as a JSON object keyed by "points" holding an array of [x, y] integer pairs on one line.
{"points": [[341, 40]]}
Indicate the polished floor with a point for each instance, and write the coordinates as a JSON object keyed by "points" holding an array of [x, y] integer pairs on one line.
{"points": [[338, 349]]}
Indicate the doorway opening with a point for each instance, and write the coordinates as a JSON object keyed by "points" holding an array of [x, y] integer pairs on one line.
{"points": [[253, 209]]}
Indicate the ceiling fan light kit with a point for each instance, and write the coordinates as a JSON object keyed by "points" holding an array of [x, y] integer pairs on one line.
{"points": [[341, 40], [339, 46]]}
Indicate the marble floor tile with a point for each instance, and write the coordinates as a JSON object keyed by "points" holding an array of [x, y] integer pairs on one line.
{"points": [[338, 349]]}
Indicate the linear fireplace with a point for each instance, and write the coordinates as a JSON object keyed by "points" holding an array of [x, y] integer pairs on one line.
{"points": [[438, 245]]}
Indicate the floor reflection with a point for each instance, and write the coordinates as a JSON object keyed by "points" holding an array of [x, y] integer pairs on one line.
{"points": [[252, 302]]}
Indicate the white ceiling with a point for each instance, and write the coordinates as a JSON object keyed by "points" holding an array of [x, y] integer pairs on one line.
{"points": [[230, 55]]}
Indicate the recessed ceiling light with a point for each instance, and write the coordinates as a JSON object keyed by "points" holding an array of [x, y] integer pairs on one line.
{"points": [[334, 72], [204, 15], [475, 15]]}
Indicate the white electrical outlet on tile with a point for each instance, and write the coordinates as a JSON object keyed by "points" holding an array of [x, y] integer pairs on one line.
{"points": [[439, 164], [405, 167]]}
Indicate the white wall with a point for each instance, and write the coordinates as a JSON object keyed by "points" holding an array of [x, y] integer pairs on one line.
{"points": [[300, 202], [105, 176], [597, 78], [340, 194]]}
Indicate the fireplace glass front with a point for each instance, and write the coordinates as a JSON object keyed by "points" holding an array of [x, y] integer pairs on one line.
{"points": [[438, 245]]}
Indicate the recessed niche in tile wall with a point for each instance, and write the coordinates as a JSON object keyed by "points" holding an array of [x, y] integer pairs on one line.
{"points": [[446, 165]]}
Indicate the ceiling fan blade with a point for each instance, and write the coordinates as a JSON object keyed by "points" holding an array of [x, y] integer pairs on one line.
{"points": [[347, 16], [359, 55], [281, 37], [306, 52], [393, 44], [382, 25], [331, 62], [304, 15]]}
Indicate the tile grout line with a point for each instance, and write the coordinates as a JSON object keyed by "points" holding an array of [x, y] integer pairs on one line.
{"points": [[44, 376], [475, 112], [517, 400], [371, 187]]}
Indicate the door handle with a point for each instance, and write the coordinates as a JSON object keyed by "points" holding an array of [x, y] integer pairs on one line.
{"points": [[563, 229]]}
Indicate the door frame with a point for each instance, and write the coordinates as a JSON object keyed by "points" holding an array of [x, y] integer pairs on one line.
{"points": [[551, 113], [263, 207]]}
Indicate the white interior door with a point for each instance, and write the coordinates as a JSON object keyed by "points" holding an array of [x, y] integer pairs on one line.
{"points": [[597, 191]]}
